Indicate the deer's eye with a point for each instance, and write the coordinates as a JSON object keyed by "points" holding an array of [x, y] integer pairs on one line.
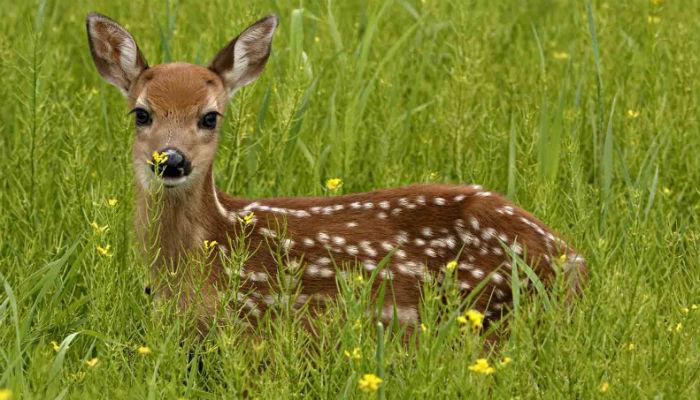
{"points": [[141, 117], [208, 121]]}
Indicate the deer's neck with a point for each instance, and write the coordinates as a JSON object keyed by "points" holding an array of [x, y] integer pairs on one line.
{"points": [[179, 221]]}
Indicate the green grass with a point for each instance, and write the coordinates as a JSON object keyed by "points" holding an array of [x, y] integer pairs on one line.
{"points": [[536, 99]]}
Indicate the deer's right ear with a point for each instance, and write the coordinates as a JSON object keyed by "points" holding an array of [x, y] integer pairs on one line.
{"points": [[114, 51]]}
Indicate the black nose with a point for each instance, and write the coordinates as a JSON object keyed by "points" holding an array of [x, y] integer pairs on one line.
{"points": [[175, 166]]}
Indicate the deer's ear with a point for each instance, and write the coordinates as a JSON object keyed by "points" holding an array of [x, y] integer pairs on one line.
{"points": [[243, 59], [114, 51]]}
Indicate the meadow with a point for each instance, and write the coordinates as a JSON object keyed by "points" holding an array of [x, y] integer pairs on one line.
{"points": [[584, 113]]}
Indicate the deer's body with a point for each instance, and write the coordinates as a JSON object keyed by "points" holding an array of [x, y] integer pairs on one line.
{"points": [[420, 228]]}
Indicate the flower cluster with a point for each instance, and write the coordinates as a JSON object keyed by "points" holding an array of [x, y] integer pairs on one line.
{"points": [[369, 383], [473, 318], [482, 366], [158, 158], [334, 184]]}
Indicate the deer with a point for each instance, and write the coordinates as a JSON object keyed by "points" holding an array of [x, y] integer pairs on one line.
{"points": [[423, 230]]}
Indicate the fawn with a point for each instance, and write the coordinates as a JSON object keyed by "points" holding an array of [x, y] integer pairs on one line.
{"points": [[425, 229]]}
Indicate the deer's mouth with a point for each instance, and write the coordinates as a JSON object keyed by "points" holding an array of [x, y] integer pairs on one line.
{"points": [[173, 181]]}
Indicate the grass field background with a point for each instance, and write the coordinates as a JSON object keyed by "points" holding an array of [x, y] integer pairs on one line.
{"points": [[584, 114]]}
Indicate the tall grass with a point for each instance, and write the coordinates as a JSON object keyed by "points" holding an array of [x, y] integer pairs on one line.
{"points": [[585, 114]]}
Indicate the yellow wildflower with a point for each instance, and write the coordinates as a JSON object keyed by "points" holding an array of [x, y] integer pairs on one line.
{"points": [[481, 366], [210, 244], [433, 176], [505, 361], [632, 114], [104, 251], [359, 278], [357, 325], [604, 387], [631, 347], [423, 328], [317, 39], [55, 345], [248, 218], [476, 318], [451, 266], [158, 158], [97, 228], [666, 191], [369, 383], [462, 320], [334, 184], [92, 362], [355, 354], [653, 19], [5, 394], [560, 55], [144, 350], [693, 306], [656, 2], [685, 310], [112, 202]]}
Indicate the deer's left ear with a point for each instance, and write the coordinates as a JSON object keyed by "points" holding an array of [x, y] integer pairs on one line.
{"points": [[243, 59]]}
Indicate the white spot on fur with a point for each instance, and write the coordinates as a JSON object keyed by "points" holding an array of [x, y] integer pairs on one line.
{"points": [[439, 201], [474, 223], [267, 233], [402, 237], [488, 234], [351, 224], [384, 204], [427, 232], [326, 273], [367, 248], [497, 278], [308, 242], [430, 252], [516, 248], [323, 237], [465, 266], [352, 250], [287, 244], [312, 270]]}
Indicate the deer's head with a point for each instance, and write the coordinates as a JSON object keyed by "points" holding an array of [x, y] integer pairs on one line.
{"points": [[176, 106]]}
